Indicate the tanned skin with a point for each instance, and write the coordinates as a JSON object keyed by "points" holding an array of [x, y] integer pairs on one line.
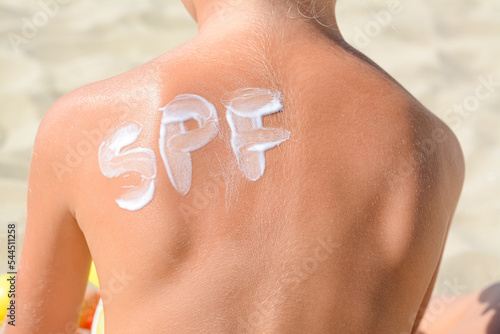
{"points": [[342, 234]]}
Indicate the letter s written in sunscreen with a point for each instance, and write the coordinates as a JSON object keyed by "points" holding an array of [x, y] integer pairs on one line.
{"points": [[176, 143], [249, 139], [114, 161]]}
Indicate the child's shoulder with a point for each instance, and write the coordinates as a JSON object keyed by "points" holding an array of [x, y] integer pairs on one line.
{"points": [[74, 127]]}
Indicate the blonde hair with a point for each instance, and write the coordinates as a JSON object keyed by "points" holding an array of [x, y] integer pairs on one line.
{"points": [[314, 9]]}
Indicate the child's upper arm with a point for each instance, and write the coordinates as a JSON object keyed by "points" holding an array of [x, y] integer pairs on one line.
{"points": [[55, 259]]}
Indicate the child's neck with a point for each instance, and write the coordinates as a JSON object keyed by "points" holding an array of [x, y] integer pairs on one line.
{"points": [[229, 14]]}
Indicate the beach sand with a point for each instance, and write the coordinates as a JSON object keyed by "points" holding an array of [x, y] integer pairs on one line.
{"points": [[441, 51]]}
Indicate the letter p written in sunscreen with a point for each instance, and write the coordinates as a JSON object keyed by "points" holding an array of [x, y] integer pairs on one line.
{"points": [[176, 142]]}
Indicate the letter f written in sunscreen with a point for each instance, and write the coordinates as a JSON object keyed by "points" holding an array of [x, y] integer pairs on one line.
{"points": [[114, 161], [176, 143], [249, 139]]}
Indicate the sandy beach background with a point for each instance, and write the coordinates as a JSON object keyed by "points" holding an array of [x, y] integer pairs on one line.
{"points": [[442, 51]]}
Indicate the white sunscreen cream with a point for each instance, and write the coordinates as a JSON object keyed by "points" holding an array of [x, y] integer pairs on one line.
{"points": [[249, 139], [176, 142], [114, 161]]}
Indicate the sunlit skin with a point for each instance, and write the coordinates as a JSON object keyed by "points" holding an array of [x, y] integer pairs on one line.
{"points": [[342, 234]]}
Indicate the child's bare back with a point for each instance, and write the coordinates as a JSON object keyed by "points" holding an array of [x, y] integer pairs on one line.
{"points": [[286, 185]]}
